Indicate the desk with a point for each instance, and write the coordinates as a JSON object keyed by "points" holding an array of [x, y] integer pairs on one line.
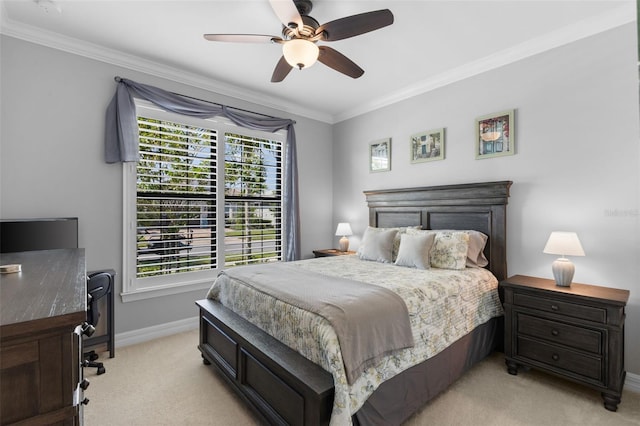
{"points": [[40, 309]]}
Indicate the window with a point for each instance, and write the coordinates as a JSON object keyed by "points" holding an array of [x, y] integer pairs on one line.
{"points": [[252, 199], [190, 170]]}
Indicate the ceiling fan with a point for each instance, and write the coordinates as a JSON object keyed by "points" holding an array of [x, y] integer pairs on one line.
{"points": [[301, 32]]}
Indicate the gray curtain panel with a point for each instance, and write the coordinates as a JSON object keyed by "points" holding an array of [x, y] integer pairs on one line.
{"points": [[121, 139]]}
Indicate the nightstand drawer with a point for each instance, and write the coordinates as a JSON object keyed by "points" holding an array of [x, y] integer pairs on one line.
{"points": [[589, 313], [561, 358], [557, 332]]}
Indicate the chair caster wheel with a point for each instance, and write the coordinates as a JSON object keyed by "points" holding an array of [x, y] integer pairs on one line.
{"points": [[101, 370]]}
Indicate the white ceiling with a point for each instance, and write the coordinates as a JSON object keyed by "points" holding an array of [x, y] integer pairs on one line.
{"points": [[430, 44]]}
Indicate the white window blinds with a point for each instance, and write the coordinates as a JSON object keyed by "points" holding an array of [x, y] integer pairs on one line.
{"points": [[205, 194], [252, 200], [176, 198]]}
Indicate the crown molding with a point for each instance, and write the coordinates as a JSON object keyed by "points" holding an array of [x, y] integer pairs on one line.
{"points": [[135, 63], [619, 16]]}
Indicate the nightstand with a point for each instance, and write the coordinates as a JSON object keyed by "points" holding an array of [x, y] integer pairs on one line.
{"points": [[573, 332], [331, 252]]}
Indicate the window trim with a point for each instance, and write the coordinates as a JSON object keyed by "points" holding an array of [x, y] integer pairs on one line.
{"points": [[133, 288]]}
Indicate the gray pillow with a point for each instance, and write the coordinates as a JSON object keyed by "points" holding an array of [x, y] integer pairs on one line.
{"points": [[377, 245], [414, 250]]}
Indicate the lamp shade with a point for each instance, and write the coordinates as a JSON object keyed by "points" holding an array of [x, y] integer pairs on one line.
{"points": [[300, 53], [564, 244], [344, 229]]}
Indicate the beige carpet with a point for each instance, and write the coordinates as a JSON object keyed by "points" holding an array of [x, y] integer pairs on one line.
{"points": [[164, 382]]}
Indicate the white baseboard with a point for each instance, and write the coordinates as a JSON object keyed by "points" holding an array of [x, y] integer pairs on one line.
{"points": [[154, 332], [632, 382]]}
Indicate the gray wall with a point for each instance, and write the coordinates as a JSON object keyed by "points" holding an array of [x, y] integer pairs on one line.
{"points": [[51, 161], [576, 166]]}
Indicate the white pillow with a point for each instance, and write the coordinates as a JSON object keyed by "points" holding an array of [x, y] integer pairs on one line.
{"points": [[414, 250], [396, 241], [377, 245]]}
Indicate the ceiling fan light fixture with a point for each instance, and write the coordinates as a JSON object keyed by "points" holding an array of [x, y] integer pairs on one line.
{"points": [[300, 53]]}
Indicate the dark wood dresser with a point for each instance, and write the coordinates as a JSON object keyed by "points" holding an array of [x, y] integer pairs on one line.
{"points": [[40, 352], [574, 332]]}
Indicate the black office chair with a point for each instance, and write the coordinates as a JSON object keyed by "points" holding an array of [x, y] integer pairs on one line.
{"points": [[98, 285]]}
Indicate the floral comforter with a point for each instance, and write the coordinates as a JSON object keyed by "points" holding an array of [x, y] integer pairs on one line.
{"points": [[443, 306]]}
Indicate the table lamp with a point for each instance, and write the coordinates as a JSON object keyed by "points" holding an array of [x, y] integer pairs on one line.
{"points": [[564, 244], [344, 230]]}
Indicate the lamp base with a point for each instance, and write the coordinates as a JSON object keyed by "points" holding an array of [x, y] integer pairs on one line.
{"points": [[344, 244], [563, 270]]}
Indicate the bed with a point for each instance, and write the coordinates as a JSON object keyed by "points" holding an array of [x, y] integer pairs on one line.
{"points": [[285, 387]]}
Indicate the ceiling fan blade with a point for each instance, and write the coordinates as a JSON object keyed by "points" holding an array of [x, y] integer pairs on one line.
{"points": [[336, 60], [287, 12], [243, 38], [355, 25], [281, 71]]}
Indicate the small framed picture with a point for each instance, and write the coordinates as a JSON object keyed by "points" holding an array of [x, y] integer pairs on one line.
{"points": [[427, 146], [380, 155], [495, 135]]}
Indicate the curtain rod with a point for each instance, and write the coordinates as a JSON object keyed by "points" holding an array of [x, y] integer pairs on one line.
{"points": [[118, 79]]}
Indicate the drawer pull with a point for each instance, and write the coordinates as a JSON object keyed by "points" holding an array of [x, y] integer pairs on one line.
{"points": [[554, 332], [554, 307], [555, 357]]}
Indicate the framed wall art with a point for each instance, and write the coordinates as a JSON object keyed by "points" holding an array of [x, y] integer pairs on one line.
{"points": [[380, 155], [495, 135], [427, 146]]}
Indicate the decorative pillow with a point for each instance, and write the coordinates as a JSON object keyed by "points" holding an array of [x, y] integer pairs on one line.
{"points": [[414, 250], [477, 241], [377, 245], [450, 250]]}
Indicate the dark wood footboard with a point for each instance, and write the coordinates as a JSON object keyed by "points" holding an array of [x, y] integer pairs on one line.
{"points": [[281, 385]]}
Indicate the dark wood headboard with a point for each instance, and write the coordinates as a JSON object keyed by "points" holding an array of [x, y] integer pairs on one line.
{"points": [[478, 206]]}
